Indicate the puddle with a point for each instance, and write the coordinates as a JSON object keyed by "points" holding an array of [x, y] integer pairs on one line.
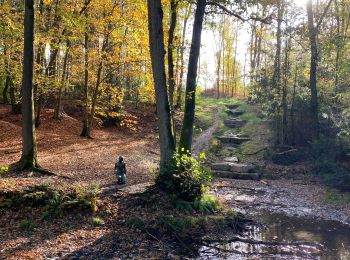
{"points": [[284, 237], [285, 231]]}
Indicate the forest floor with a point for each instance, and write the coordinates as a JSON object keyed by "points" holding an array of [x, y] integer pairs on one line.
{"points": [[132, 224]]}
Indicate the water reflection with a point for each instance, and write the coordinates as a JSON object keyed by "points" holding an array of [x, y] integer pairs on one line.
{"points": [[284, 237]]}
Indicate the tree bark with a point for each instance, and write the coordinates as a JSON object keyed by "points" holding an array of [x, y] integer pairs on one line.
{"points": [[15, 107], [28, 160], [284, 95], [171, 78], [4, 92], [313, 71], [182, 52], [85, 131], [94, 97], [156, 43], [57, 112], [276, 79], [188, 121]]}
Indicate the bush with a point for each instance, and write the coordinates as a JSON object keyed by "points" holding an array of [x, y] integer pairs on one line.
{"points": [[27, 225], [188, 177], [87, 196], [207, 203], [53, 202], [324, 153], [3, 169], [135, 222], [98, 221]]}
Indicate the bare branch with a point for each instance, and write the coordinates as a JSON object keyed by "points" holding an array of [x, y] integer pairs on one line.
{"points": [[266, 20], [323, 14]]}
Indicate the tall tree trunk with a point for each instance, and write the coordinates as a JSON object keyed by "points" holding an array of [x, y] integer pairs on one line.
{"points": [[338, 45], [190, 101], [171, 78], [234, 63], [28, 160], [292, 119], [313, 71], [39, 104], [57, 112], [156, 43], [39, 61], [218, 75], [14, 106], [94, 97], [276, 79], [6, 88], [85, 131], [244, 76], [182, 54], [284, 94]]}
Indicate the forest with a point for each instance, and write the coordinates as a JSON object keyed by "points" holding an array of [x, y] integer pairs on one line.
{"points": [[174, 129]]}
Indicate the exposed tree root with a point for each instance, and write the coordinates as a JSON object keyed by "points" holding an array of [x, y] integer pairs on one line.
{"points": [[21, 166], [10, 151]]}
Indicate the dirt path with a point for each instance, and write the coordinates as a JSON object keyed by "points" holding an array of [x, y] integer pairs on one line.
{"points": [[203, 139]]}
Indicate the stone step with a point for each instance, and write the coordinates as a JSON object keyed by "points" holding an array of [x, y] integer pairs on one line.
{"points": [[235, 112], [232, 106], [237, 175], [232, 167], [234, 123], [232, 159], [233, 139]]}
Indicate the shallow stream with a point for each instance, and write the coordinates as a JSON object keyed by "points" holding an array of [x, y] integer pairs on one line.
{"points": [[282, 229]]}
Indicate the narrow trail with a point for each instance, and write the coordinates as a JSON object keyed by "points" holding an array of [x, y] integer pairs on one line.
{"points": [[203, 139]]}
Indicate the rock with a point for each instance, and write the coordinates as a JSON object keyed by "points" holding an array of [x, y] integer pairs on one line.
{"points": [[287, 157], [233, 159], [239, 167], [233, 139], [222, 166], [234, 123], [232, 106], [237, 175], [232, 167], [235, 112]]}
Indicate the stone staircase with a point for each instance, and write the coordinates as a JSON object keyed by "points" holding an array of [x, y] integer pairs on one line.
{"points": [[235, 122], [234, 112], [230, 167], [230, 138]]}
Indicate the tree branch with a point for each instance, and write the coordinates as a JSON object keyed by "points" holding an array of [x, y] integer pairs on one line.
{"points": [[323, 14], [266, 20]]}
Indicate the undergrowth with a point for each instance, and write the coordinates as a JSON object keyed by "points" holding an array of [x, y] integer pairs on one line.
{"points": [[324, 155], [188, 178], [336, 198], [53, 202]]}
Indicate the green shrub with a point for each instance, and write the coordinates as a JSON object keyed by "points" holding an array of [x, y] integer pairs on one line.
{"points": [[87, 196], [207, 203], [3, 169], [337, 198], [54, 202], [187, 179], [177, 224], [27, 225], [98, 221], [54, 205], [135, 222], [324, 153]]}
